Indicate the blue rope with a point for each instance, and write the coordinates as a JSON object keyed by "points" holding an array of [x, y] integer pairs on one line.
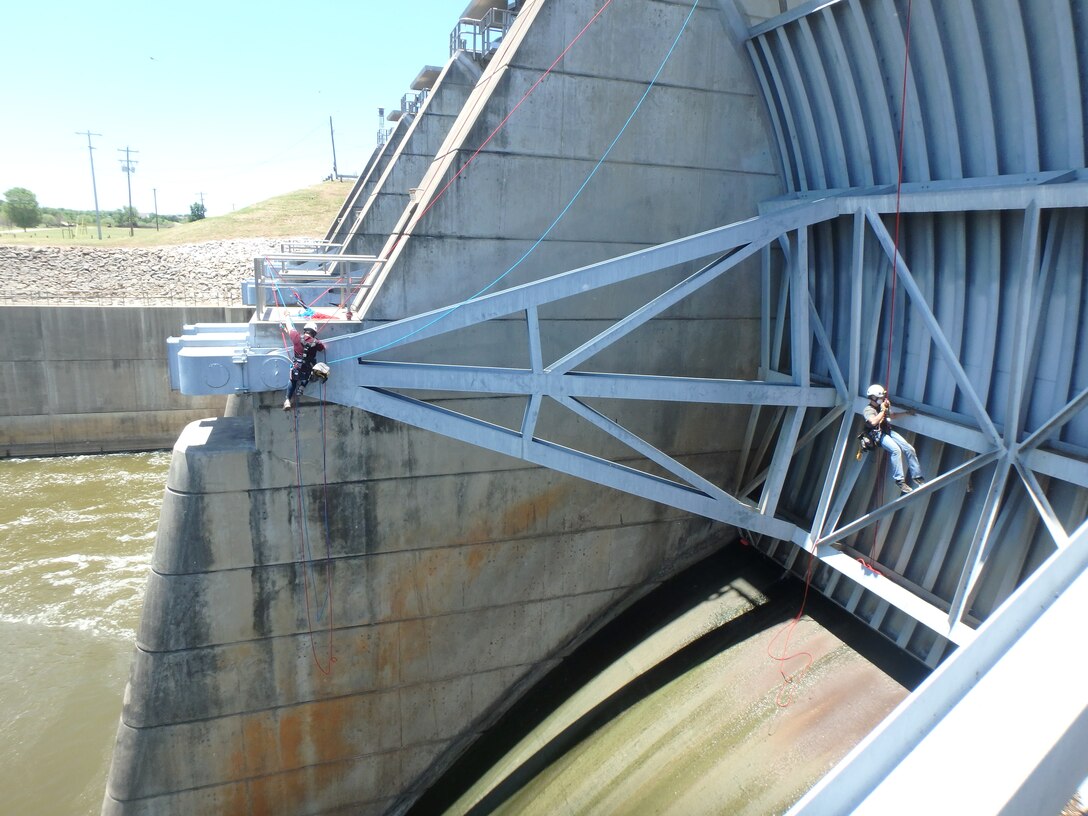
{"points": [[282, 301], [558, 218]]}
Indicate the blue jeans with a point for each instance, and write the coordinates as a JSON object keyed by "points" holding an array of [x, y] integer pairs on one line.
{"points": [[897, 447], [300, 378]]}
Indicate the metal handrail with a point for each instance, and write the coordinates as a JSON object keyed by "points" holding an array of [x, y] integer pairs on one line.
{"points": [[309, 247], [481, 37], [410, 103], [332, 273]]}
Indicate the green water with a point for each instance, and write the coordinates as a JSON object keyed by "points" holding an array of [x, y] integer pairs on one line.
{"points": [[76, 535]]}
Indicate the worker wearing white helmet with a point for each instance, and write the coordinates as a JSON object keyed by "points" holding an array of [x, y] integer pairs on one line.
{"points": [[305, 346], [879, 427]]}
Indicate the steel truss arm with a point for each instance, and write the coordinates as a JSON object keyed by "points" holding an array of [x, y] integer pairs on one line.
{"points": [[936, 334], [719, 506], [756, 231], [370, 384], [488, 380]]}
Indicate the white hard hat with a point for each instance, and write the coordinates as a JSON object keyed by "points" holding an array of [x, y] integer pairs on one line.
{"points": [[875, 391], [310, 327]]}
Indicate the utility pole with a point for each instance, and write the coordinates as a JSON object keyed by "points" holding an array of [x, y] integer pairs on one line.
{"points": [[128, 169], [332, 136], [155, 198], [94, 187]]}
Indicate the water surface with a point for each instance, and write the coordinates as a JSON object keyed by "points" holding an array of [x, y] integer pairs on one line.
{"points": [[76, 535]]}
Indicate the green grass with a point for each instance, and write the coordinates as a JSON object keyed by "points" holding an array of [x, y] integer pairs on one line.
{"points": [[304, 213]]}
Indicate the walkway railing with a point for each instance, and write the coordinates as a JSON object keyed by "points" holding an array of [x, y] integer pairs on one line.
{"points": [[481, 37], [308, 279]]}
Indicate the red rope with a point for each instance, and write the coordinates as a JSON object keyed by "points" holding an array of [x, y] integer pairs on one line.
{"points": [[304, 565], [525, 96], [895, 242], [502, 124], [898, 195], [865, 565], [789, 681], [786, 690]]}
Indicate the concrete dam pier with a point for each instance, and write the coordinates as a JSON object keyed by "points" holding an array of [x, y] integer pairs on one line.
{"points": [[592, 322]]}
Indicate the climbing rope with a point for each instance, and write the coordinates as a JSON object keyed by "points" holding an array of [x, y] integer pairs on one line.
{"points": [[305, 564], [898, 196], [789, 681], [592, 173], [306, 558], [895, 250], [506, 118], [485, 142], [327, 603], [787, 688], [502, 124]]}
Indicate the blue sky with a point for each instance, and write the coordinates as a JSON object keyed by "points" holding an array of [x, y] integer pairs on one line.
{"points": [[231, 99]]}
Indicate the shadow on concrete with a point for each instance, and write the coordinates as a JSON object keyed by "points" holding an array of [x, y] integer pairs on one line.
{"points": [[696, 585]]}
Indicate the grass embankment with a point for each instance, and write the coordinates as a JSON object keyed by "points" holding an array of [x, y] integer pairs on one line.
{"points": [[305, 212]]}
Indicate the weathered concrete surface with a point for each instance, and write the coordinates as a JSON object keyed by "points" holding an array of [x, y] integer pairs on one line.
{"points": [[339, 661], [432, 620], [380, 197], [88, 379], [735, 705], [697, 155]]}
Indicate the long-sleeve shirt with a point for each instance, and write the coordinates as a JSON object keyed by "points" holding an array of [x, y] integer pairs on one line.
{"points": [[305, 348]]}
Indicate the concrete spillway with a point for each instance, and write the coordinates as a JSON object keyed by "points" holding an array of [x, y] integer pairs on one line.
{"points": [[343, 600], [709, 695]]}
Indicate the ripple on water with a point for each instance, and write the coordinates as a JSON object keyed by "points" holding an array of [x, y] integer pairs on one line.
{"points": [[77, 533]]}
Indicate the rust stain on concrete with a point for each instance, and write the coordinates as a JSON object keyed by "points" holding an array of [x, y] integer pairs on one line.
{"points": [[290, 738], [325, 723], [516, 518]]}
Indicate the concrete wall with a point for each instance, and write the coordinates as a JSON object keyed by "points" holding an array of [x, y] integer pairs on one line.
{"points": [[456, 578], [696, 155], [269, 678], [88, 379], [385, 194]]}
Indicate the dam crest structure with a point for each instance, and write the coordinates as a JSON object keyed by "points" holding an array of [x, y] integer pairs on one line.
{"points": [[591, 319]]}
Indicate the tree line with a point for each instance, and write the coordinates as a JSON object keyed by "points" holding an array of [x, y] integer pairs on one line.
{"points": [[21, 209]]}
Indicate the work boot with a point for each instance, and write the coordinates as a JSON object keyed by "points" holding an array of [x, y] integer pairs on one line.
{"points": [[904, 487], [287, 405], [918, 481]]}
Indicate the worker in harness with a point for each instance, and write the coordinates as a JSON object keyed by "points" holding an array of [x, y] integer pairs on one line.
{"points": [[306, 346], [879, 428]]}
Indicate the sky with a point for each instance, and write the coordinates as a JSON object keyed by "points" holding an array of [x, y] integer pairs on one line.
{"points": [[223, 102]]}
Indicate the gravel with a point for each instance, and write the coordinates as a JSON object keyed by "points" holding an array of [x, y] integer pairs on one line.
{"points": [[208, 273]]}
